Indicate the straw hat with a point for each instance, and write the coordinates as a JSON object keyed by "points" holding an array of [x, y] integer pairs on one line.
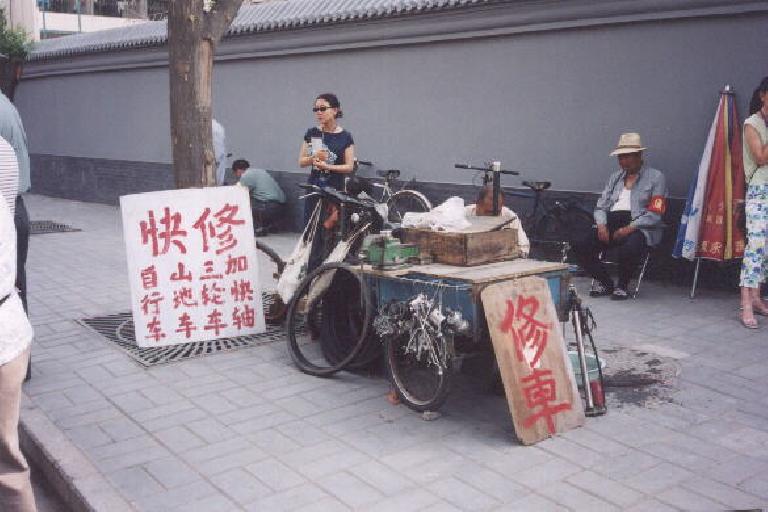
{"points": [[628, 143]]}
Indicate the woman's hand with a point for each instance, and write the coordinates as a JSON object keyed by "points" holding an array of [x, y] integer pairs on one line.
{"points": [[320, 164]]}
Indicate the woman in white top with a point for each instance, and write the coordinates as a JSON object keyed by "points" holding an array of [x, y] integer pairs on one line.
{"points": [[754, 265], [15, 338]]}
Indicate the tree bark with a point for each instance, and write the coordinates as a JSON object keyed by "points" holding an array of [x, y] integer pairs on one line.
{"points": [[193, 35]]}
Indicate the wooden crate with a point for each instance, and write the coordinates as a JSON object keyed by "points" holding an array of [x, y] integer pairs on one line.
{"points": [[472, 246]]}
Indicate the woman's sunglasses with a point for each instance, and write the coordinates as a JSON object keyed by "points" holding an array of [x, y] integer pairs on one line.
{"points": [[320, 109]]}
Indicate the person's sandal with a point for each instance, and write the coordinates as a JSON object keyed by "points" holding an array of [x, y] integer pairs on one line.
{"points": [[600, 290], [620, 294], [749, 324]]}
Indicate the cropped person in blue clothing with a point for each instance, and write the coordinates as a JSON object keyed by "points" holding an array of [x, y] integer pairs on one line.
{"points": [[267, 198], [330, 152]]}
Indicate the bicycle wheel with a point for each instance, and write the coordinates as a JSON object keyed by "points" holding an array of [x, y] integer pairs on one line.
{"points": [[404, 201], [557, 231], [343, 316], [271, 266], [420, 384], [306, 319]]}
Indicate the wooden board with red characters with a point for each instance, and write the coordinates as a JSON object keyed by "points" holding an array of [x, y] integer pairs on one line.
{"points": [[538, 379]]}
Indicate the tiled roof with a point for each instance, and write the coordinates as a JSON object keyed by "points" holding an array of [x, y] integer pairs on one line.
{"points": [[268, 16]]}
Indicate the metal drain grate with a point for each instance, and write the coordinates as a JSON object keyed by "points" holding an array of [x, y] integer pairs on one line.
{"points": [[39, 227], [119, 330]]}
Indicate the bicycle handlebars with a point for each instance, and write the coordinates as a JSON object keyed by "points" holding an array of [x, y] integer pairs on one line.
{"points": [[336, 195], [488, 168]]}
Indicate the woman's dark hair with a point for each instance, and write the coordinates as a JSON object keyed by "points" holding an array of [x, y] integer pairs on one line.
{"points": [[240, 164], [755, 103], [333, 101]]}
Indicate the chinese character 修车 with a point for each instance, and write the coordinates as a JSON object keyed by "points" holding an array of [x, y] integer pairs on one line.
{"points": [[539, 390], [528, 333], [215, 322], [219, 228]]}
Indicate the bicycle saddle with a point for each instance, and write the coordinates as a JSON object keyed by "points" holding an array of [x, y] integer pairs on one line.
{"points": [[537, 185], [389, 173]]}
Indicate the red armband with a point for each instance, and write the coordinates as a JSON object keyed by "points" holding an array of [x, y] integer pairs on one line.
{"points": [[657, 204]]}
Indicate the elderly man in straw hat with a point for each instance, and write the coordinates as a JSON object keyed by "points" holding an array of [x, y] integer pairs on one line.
{"points": [[628, 217]]}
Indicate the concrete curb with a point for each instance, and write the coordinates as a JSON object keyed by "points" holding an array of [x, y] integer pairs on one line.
{"points": [[75, 479]]}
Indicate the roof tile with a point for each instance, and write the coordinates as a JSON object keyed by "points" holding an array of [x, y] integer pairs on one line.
{"points": [[269, 16]]}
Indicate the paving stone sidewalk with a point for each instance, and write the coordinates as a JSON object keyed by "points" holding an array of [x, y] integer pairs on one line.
{"points": [[246, 431]]}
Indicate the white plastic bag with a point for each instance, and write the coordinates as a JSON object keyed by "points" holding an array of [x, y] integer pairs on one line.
{"points": [[449, 216], [296, 265]]}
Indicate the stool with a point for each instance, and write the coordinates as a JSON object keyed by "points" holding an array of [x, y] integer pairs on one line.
{"points": [[643, 267]]}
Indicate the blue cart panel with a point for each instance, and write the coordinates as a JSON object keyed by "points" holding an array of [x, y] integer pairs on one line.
{"points": [[456, 294]]}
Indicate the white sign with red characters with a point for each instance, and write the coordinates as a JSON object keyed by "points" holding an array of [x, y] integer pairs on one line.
{"points": [[192, 265]]}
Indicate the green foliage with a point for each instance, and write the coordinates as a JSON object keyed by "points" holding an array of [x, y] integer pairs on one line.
{"points": [[14, 42]]}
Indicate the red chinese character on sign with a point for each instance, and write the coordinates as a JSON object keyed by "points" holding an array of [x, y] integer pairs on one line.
{"points": [[155, 331], [246, 318], [520, 321], [208, 271], [238, 264], [149, 277], [152, 301], [212, 295], [241, 290], [541, 392], [166, 235], [214, 322], [185, 325], [184, 297], [181, 274], [219, 227]]}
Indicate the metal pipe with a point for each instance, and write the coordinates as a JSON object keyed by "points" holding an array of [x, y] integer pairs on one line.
{"points": [[695, 279], [576, 319]]}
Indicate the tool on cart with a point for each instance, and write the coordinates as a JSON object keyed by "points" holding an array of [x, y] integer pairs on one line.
{"points": [[383, 251], [583, 324], [495, 169]]}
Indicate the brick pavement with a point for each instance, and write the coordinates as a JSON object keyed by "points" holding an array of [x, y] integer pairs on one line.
{"points": [[246, 431]]}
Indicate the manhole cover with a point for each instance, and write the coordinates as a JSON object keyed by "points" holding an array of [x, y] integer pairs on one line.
{"points": [[39, 227], [118, 329]]}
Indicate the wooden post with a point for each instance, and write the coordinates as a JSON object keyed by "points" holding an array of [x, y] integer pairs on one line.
{"points": [[193, 34]]}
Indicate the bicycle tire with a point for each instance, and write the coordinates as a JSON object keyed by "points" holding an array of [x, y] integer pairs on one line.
{"points": [[398, 363], [342, 325], [308, 303], [569, 225], [274, 308], [404, 201]]}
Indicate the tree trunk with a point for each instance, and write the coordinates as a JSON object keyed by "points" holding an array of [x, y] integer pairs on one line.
{"points": [[192, 37], [10, 73]]}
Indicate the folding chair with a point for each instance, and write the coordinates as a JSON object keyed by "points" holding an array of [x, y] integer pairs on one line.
{"points": [[643, 267]]}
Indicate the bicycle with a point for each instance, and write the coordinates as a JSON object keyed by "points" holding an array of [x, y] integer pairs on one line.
{"points": [[330, 313], [399, 201], [552, 226]]}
